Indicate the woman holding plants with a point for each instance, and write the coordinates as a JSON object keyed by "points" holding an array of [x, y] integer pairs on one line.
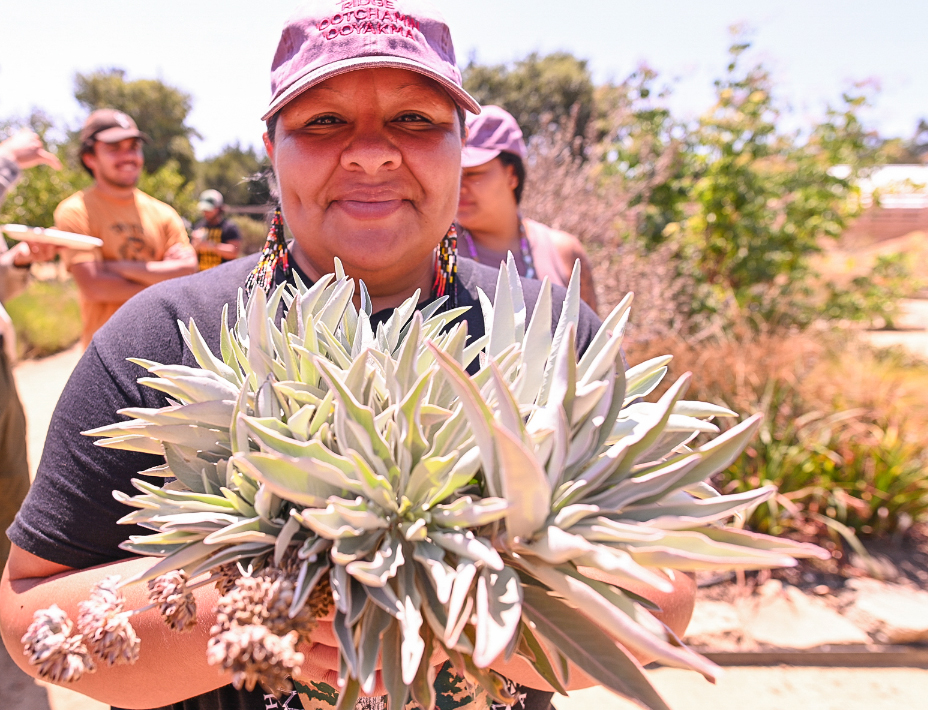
{"points": [[365, 134]]}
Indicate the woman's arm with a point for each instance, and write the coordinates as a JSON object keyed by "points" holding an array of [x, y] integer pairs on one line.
{"points": [[31, 583]]}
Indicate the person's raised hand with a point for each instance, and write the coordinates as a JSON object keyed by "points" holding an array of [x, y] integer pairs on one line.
{"points": [[26, 253], [26, 150]]}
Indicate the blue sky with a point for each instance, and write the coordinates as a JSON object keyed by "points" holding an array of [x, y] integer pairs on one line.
{"points": [[220, 52]]}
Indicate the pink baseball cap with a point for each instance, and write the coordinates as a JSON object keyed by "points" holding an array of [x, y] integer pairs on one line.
{"points": [[493, 132], [330, 37]]}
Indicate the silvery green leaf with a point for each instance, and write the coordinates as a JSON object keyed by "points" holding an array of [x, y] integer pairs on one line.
{"points": [[716, 455], [556, 547], [397, 690], [442, 575], [573, 514], [516, 296], [647, 486], [749, 539], [478, 415], [336, 521], [196, 501], [412, 646], [428, 475], [498, 611], [376, 572], [187, 557], [345, 637], [284, 537], [310, 575], [532, 649], [467, 545], [374, 622], [524, 484], [503, 332], [612, 329], [461, 601], [462, 473], [701, 410], [142, 444], [585, 644], [376, 487], [242, 531], [204, 356], [465, 512], [225, 555], [536, 345], [289, 478], [335, 306], [349, 549], [570, 314], [617, 623], [692, 551], [682, 515], [641, 379], [562, 377]]}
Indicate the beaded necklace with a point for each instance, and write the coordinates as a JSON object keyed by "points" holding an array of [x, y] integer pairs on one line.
{"points": [[525, 250], [275, 254]]}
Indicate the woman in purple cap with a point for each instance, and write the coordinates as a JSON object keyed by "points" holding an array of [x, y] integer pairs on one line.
{"points": [[364, 130], [491, 189]]}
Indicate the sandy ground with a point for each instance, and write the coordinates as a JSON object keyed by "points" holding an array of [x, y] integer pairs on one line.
{"points": [[778, 688]]}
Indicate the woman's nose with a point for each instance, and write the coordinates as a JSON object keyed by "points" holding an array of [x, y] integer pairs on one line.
{"points": [[371, 151]]}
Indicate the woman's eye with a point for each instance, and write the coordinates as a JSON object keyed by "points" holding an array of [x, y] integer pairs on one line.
{"points": [[323, 121], [412, 118]]}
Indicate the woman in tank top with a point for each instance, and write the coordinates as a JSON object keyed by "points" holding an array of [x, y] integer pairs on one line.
{"points": [[493, 162]]}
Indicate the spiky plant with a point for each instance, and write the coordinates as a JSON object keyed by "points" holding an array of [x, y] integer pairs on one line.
{"points": [[446, 511]]}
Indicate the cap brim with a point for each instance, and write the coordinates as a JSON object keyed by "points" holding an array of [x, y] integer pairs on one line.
{"points": [[472, 157], [206, 206], [458, 95], [117, 133]]}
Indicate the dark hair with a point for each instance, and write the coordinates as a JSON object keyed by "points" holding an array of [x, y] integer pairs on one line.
{"points": [[271, 124], [87, 146], [518, 167]]}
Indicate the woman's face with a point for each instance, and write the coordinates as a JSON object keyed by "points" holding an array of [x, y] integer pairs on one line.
{"points": [[369, 166], [488, 201]]}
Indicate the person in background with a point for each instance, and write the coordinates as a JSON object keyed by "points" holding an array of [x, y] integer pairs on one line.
{"points": [[215, 237], [144, 240], [493, 163], [21, 151]]}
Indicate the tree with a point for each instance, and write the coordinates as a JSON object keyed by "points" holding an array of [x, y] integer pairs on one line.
{"points": [[535, 88], [159, 110], [35, 197], [238, 173]]}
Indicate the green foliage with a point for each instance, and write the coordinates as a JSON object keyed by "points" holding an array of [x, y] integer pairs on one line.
{"points": [[875, 297], [34, 198], [170, 186], [535, 88], [159, 110], [46, 316], [254, 232], [238, 173], [849, 466]]}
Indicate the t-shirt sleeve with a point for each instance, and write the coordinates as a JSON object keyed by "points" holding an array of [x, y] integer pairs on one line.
{"points": [[70, 516], [230, 232], [70, 216], [175, 233]]}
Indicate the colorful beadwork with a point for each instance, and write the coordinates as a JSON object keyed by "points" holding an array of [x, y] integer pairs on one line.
{"points": [[273, 255]]}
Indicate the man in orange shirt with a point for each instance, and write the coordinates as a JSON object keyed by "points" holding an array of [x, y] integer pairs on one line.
{"points": [[144, 240]]}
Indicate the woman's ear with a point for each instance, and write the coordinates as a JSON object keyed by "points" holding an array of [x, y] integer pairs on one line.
{"points": [[268, 146]]}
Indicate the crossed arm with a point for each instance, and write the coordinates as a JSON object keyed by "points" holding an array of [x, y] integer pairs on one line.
{"points": [[118, 281], [31, 583]]}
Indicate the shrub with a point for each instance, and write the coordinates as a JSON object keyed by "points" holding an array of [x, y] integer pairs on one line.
{"points": [[845, 430], [46, 316]]}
